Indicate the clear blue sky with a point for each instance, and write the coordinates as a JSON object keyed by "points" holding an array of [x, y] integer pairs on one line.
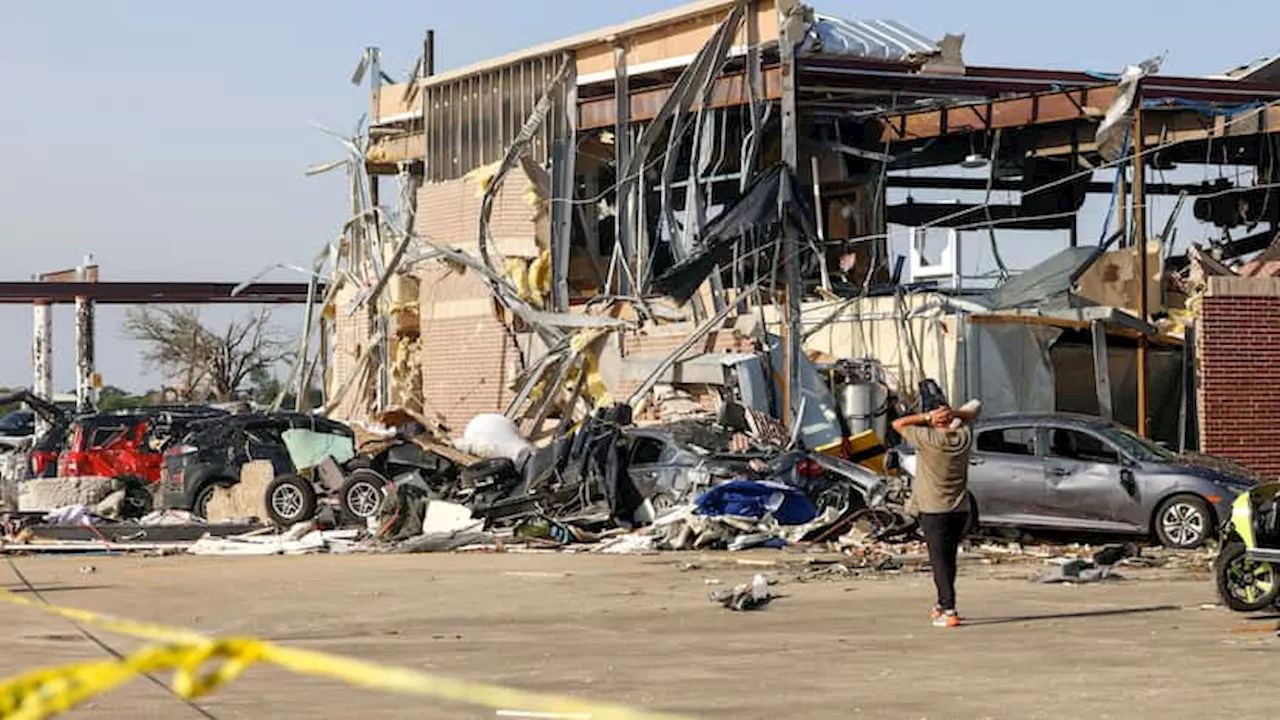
{"points": [[170, 137]]}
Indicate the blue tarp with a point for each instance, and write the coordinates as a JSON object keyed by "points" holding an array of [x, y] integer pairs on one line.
{"points": [[753, 499]]}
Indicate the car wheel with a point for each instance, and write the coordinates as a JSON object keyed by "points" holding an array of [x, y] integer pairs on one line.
{"points": [[290, 500], [200, 506], [362, 494], [971, 524], [1183, 522], [1243, 584]]}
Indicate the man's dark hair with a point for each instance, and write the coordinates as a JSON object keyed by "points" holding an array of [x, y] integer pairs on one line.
{"points": [[931, 395]]}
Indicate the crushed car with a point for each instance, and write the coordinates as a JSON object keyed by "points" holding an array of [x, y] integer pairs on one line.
{"points": [[124, 443]]}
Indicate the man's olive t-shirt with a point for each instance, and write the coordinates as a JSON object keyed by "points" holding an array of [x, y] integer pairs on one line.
{"points": [[942, 468]]}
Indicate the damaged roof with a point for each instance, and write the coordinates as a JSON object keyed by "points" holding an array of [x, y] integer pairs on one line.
{"points": [[873, 39], [1047, 285]]}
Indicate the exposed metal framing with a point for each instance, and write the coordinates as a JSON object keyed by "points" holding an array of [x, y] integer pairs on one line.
{"points": [[563, 181], [622, 158], [470, 121], [793, 332], [1140, 244], [1101, 370]]}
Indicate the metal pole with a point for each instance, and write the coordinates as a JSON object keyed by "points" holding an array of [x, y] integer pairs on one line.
{"points": [[820, 221], [1140, 242], [429, 54], [622, 147], [790, 23]]}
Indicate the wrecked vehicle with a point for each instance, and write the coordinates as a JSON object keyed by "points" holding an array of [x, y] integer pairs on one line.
{"points": [[1074, 472], [39, 455], [212, 454], [375, 474], [125, 443], [1244, 570], [669, 462], [16, 428], [700, 483]]}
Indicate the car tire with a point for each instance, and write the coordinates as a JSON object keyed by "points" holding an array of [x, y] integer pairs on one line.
{"points": [[1244, 585], [971, 525], [1183, 522], [200, 503], [290, 500], [362, 495]]}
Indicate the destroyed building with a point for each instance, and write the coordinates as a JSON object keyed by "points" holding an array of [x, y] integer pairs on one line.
{"points": [[578, 222]]}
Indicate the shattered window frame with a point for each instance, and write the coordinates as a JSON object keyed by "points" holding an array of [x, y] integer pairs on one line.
{"points": [[1051, 449], [1032, 441]]}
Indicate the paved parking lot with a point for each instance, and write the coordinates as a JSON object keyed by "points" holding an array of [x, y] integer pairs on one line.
{"points": [[640, 631]]}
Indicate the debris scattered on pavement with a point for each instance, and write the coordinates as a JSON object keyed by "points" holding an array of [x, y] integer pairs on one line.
{"points": [[747, 596], [1078, 572]]}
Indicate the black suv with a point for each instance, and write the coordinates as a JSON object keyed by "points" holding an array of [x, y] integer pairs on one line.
{"points": [[212, 454]]}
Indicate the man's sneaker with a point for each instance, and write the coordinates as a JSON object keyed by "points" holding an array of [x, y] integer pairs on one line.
{"points": [[936, 612], [947, 619]]}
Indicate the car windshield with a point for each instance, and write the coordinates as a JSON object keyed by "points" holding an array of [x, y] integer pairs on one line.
{"points": [[1134, 445], [15, 422]]}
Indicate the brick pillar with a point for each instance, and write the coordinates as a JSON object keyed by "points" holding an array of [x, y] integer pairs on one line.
{"points": [[1239, 372]]}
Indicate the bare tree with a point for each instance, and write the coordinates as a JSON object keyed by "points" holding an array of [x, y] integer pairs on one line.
{"points": [[202, 361]]}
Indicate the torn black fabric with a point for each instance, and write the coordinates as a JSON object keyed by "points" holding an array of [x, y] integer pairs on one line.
{"points": [[754, 220]]}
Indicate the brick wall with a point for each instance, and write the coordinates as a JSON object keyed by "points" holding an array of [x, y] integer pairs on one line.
{"points": [[659, 342], [468, 359], [449, 212], [1239, 369], [351, 336]]}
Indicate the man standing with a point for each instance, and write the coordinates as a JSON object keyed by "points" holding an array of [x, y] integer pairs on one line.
{"points": [[938, 494]]}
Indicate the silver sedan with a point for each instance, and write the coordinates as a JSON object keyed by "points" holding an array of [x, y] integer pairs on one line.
{"points": [[1073, 472]]}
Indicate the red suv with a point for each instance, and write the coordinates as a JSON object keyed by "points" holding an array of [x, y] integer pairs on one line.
{"points": [[123, 444]]}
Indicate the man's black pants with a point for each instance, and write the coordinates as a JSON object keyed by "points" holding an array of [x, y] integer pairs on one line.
{"points": [[943, 532]]}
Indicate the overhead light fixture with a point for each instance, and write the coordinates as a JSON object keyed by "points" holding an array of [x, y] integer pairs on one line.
{"points": [[973, 161]]}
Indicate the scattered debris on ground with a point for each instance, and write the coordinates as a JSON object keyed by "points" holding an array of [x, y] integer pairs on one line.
{"points": [[753, 595]]}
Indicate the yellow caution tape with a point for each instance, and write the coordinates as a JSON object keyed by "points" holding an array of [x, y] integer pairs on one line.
{"points": [[51, 691]]}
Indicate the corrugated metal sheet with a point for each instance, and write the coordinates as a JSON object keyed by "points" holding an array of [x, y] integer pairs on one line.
{"points": [[875, 39]]}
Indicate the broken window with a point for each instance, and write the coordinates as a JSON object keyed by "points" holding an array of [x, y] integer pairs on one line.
{"points": [[646, 451], [1076, 445], [1009, 441]]}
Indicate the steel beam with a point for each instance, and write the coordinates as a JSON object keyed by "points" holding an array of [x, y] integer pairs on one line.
{"points": [[1074, 105], [1140, 243], [153, 293], [917, 182], [731, 90], [1101, 369], [790, 27]]}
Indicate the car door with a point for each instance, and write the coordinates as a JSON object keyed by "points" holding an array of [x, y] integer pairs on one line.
{"points": [[1006, 475], [1084, 474], [649, 464]]}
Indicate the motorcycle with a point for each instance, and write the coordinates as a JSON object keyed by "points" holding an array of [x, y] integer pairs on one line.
{"points": [[1245, 569]]}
